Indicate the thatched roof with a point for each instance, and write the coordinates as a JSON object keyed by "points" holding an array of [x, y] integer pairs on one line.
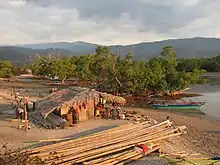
{"points": [[73, 95]]}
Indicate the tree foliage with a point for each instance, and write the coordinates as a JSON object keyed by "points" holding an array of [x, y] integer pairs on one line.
{"points": [[54, 66], [208, 64], [6, 69], [163, 73]]}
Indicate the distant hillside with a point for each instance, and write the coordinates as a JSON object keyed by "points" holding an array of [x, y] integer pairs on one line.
{"points": [[187, 48], [77, 47], [20, 55]]}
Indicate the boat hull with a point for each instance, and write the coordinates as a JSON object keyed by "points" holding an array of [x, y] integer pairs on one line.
{"points": [[176, 106]]}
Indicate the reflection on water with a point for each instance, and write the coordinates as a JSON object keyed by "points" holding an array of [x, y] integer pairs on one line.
{"points": [[211, 94]]}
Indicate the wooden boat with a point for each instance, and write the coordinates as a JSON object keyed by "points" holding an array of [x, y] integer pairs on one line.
{"points": [[178, 105]]}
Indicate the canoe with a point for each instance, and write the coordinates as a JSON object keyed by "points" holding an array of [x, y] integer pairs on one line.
{"points": [[181, 105], [159, 106]]}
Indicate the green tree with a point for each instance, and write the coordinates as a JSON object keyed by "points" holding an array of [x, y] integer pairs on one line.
{"points": [[156, 75], [63, 68], [82, 64], [126, 73], [170, 64], [43, 66], [6, 69], [101, 66], [164, 73]]}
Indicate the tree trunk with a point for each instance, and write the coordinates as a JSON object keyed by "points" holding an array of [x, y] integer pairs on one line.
{"points": [[115, 72], [63, 81]]}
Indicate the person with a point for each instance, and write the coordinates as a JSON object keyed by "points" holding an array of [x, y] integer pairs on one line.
{"points": [[69, 117], [113, 105], [97, 110], [108, 109], [76, 115], [119, 113], [21, 112], [114, 111]]}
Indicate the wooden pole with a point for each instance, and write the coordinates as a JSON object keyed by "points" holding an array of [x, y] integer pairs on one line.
{"points": [[97, 148], [25, 113], [91, 139], [26, 120], [71, 156]]}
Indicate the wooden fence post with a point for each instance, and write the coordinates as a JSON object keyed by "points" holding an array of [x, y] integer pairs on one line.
{"points": [[25, 113]]}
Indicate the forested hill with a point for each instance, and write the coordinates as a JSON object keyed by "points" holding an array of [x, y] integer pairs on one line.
{"points": [[21, 55], [187, 48]]}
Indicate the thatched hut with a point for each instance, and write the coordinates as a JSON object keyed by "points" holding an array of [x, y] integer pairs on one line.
{"points": [[49, 110]]}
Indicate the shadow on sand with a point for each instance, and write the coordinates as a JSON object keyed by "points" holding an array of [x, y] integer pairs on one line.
{"points": [[75, 136]]}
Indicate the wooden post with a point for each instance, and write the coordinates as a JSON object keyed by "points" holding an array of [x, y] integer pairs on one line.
{"points": [[25, 113], [26, 120], [34, 106]]}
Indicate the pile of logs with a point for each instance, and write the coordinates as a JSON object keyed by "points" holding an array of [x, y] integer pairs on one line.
{"points": [[113, 146], [138, 118]]}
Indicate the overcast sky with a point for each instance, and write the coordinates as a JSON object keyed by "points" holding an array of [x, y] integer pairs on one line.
{"points": [[106, 21]]}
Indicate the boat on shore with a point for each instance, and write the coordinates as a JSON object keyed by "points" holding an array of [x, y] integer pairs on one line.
{"points": [[179, 105]]}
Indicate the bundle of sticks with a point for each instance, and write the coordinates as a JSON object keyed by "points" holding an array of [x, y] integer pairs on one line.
{"points": [[113, 146]]}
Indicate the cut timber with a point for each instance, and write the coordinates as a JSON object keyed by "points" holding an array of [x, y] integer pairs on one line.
{"points": [[113, 146], [47, 140], [126, 156], [106, 142], [98, 136], [139, 156]]}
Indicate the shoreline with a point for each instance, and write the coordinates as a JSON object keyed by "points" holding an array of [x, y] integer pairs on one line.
{"points": [[200, 113], [203, 132]]}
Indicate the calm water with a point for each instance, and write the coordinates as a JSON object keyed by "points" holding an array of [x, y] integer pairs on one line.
{"points": [[211, 94]]}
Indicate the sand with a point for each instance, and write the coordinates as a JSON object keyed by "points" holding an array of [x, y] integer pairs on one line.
{"points": [[203, 134]]}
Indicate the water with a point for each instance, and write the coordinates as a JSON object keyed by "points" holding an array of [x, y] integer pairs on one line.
{"points": [[211, 94]]}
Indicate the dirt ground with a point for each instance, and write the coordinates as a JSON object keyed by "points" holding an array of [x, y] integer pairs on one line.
{"points": [[14, 138], [203, 134]]}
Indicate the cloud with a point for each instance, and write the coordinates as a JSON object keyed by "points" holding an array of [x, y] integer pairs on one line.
{"points": [[106, 22]]}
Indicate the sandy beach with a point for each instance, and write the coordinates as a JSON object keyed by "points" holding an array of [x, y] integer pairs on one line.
{"points": [[202, 136]]}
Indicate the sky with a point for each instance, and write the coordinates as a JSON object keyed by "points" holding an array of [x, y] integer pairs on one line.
{"points": [[106, 22]]}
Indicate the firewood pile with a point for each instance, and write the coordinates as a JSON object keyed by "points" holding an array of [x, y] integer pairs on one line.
{"points": [[138, 118], [112, 146]]}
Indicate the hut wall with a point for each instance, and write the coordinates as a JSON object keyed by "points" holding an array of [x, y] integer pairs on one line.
{"points": [[86, 111], [83, 113], [64, 110], [90, 109]]}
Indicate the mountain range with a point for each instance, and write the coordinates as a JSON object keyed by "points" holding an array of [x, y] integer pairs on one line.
{"points": [[185, 48]]}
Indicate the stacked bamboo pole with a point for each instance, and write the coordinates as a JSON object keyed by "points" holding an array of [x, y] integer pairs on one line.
{"points": [[113, 146]]}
